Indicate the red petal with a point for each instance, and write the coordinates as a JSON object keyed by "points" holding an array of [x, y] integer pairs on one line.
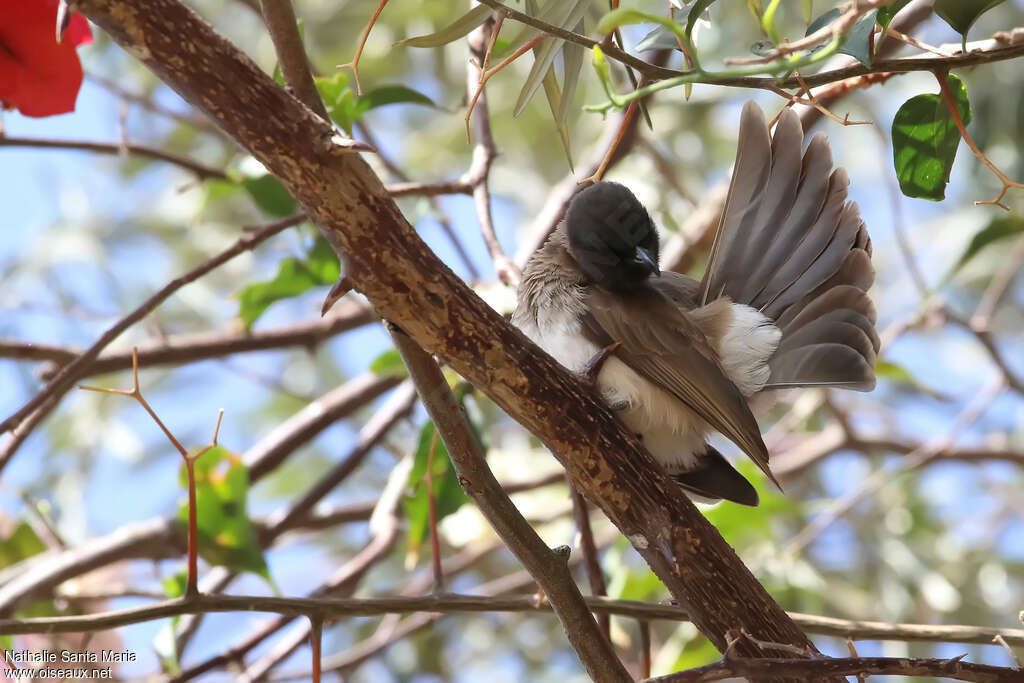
{"points": [[78, 31], [38, 76]]}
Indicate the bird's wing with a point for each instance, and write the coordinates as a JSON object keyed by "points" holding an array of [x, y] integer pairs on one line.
{"points": [[660, 343]]}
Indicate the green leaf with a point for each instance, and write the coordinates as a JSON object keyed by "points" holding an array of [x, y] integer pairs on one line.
{"points": [[961, 14], [174, 585], [553, 94], [389, 364], [340, 100], [893, 372], [698, 651], [572, 62], [345, 108], [635, 583], [768, 21], [270, 195], [885, 14], [698, 8], [294, 277], [453, 31], [448, 493], [742, 526], [226, 537], [808, 8], [925, 139], [394, 94], [545, 53], [165, 642], [20, 544], [999, 229], [660, 38], [857, 42], [323, 263]]}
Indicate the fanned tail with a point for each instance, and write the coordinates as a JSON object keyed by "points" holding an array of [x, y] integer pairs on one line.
{"points": [[791, 246]]}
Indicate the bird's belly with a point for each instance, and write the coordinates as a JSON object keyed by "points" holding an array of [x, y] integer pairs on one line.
{"points": [[671, 432], [669, 429]]}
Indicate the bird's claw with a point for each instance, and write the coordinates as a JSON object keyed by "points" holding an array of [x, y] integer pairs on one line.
{"points": [[593, 367]]}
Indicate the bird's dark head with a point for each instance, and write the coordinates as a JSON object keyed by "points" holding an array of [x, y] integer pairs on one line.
{"points": [[611, 236]]}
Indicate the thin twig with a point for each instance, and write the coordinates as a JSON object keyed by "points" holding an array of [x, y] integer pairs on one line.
{"points": [[910, 40], [188, 348], [982, 317], [547, 567], [331, 608], [435, 541], [624, 127], [591, 563], [483, 156], [612, 51], [354, 64], [947, 97], [645, 647], [279, 16], [149, 104], [202, 171], [838, 27], [429, 190], [77, 369], [815, 669], [873, 483]]}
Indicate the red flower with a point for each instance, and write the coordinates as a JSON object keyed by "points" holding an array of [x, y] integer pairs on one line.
{"points": [[38, 75]]}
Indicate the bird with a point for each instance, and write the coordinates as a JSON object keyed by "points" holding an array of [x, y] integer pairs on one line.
{"points": [[783, 303]]}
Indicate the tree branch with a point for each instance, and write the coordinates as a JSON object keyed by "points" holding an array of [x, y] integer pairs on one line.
{"points": [[548, 567], [279, 16], [653, 71], [336, 608], [201, 171], [50, 395], [980, 52], [189, 348], [484, 152], [408, 285], [814, 669]]}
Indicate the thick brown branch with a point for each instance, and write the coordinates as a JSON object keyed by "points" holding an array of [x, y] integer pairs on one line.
{"points": [[408, 285]]}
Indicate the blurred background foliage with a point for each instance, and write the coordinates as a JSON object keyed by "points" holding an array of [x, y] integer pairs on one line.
{"points": [[85, 238]]}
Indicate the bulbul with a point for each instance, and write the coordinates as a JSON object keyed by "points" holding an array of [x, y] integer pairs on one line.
{"points": [[783, 303]]}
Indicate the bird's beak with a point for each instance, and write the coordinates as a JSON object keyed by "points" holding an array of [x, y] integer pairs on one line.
{"points": [[644, 257]]}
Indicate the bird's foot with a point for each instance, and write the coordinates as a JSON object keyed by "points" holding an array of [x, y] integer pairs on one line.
{"points": [[593, 367]]}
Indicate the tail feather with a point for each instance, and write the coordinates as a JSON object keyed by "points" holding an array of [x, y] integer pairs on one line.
{"points": [[827, 364], [714, 479], [791, 246]]}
